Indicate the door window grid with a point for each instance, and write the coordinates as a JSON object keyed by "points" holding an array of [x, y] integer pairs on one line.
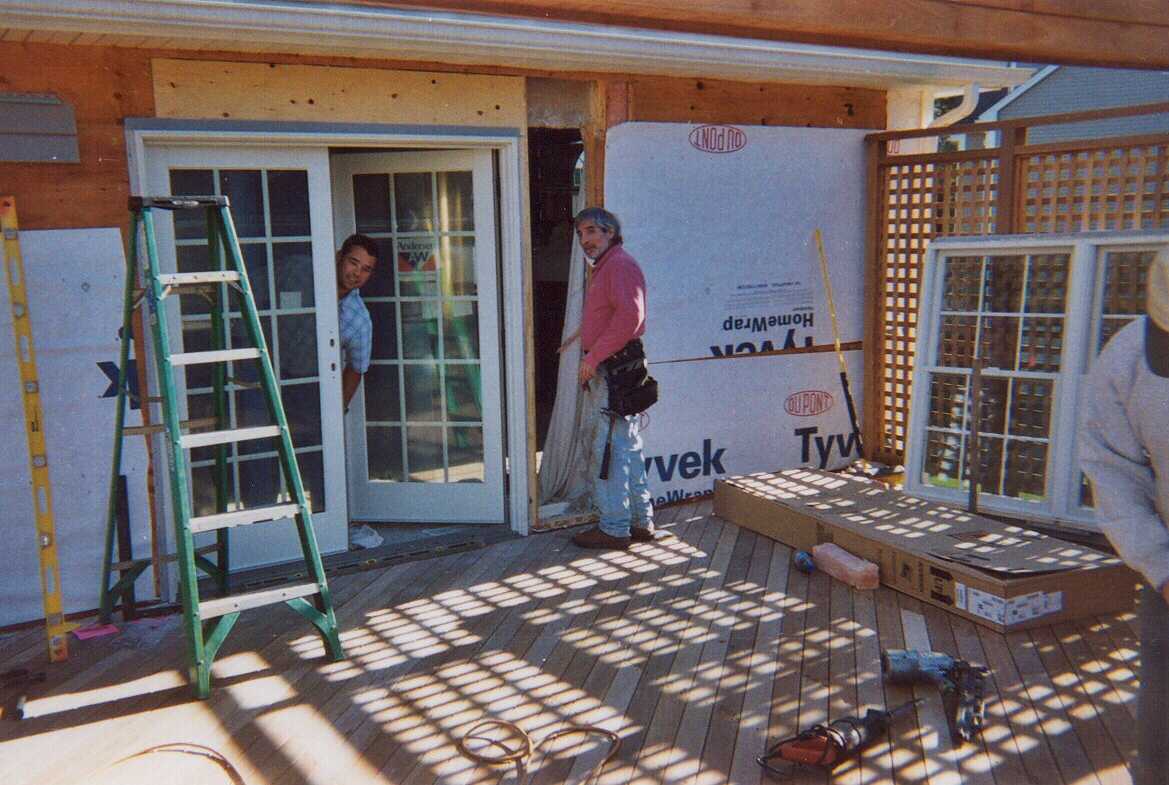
{"points": [[1003, 328], [452, 433], [1102, 288], [254, 476]]}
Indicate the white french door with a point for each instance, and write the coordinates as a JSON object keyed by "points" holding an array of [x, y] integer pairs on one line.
{"points": [[279, 204], [424, 436]]}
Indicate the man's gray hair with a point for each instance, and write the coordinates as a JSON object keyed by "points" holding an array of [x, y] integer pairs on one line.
{"points": [[602, 218]]}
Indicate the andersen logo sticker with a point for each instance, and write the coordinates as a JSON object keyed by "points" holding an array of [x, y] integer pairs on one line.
{"points": [[718, 139], [808, 403]]}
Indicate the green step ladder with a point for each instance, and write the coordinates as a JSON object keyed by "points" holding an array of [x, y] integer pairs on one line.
{"points": [[208, 621]]}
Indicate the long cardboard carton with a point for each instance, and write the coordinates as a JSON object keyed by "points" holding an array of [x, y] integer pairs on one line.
{"points": [[1000, 576]]}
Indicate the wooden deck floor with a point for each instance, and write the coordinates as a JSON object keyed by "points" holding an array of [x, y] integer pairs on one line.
{"points": [[696, 649]]}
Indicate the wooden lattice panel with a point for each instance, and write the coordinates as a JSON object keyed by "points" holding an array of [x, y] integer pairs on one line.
{"points": [[920, 198], [1064, 187], [1089, 188]]}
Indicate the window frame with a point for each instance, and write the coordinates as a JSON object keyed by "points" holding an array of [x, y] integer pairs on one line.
{"points": [[1082, 320]]}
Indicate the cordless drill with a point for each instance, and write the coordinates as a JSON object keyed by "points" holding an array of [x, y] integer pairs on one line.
{"points": [[962, 685], [827, 745]]}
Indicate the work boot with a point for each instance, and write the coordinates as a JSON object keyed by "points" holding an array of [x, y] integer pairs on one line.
{"points": [[638, 534], [595, 538]]}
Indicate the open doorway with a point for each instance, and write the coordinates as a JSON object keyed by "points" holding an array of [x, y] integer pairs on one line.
{"points": [[555, 166]]}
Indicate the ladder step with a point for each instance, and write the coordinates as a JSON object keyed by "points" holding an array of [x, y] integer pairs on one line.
{"points": [[198, 279], [225, 520], [146, 430], [125, 565], [218, 356], [226, 437], [210, 609]]}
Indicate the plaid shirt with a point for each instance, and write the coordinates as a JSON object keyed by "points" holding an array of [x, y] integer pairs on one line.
{"points": [[356, 332]]}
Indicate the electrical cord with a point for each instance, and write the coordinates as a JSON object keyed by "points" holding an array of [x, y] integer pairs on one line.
{"points": [[521, 753], [186, 748]]}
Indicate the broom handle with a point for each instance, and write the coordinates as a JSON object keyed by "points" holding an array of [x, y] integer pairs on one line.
{"points": [[836, 340]]}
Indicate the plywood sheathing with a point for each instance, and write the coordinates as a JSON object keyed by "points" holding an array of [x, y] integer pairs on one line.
{"points": [[558, 103], [103, 86], [660, 99], [281, 92]]}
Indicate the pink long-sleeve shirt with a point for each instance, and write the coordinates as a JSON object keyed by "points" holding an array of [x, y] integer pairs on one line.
{"points": [[614, 306]]}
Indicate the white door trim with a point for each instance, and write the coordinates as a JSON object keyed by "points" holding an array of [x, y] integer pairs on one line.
{"points": [[142, 134]]}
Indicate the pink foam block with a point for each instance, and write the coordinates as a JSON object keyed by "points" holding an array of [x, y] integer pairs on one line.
{"points": [[94, 631], [842, 565]]}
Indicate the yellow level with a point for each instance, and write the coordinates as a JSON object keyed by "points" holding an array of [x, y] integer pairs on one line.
{"points": [[42, 498]]}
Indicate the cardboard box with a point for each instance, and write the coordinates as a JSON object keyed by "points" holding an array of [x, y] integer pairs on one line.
{"points": [[1000, 576]]}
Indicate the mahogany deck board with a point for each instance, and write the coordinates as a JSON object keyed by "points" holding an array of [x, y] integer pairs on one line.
{"points": [[698, 649]]}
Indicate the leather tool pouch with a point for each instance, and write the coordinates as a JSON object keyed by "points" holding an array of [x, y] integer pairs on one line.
{"points": [[631, 389]]}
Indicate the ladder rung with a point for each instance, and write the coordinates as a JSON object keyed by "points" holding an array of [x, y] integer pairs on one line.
{"points": [[125, 565], [226, 437], [218, 356], [146, 430], [209, 609], [198, 279], [225, 520]]}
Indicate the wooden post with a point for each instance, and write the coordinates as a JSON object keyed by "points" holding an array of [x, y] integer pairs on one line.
{"points": [[1005, 192], [871, 419]]}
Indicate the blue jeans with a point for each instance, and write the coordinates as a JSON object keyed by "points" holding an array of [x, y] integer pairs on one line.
{"points": [[1152, 767], [624, 498]]}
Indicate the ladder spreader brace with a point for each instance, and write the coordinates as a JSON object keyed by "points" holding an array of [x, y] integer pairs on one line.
{"points": [[208, 621]]}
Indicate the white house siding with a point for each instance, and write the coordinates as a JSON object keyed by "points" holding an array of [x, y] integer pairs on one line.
{"points": [[1071, 89]]}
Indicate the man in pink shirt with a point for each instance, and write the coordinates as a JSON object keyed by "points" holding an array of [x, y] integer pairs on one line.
{"points": [[613, 318]]}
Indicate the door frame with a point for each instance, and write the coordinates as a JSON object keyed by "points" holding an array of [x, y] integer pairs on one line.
{"points": [[142, 134]]}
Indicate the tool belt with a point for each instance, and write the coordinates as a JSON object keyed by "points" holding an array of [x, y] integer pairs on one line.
{"points": [[631, 389]]}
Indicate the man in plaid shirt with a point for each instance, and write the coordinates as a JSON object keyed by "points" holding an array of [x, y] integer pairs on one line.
{"points": [[356, 262]]}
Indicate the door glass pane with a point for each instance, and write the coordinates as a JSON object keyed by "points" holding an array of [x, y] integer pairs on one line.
{"points": [[191, 224], [259, 481], [384, 318], [419, 330], [312, 475], [423, 395], [460, 330], [288, 204], [465, 448], [463, 393], [193, 259], [414, 202], [298, 346], [456, 210], [424, 454], [417, 266], [458, 266], [256, 263], [382, 397], [371, 203], [245, 190], [383, 445], [293, 263], [302, 407]]}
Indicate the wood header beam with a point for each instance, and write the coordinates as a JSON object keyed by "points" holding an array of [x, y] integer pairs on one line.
{"points": [[1124, 33]]}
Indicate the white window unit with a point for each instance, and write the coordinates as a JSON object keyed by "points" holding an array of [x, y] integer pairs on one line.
{"points": [[1038, 308]]}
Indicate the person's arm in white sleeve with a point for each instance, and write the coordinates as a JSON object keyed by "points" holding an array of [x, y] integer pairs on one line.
{"points": [[1123, 484]]}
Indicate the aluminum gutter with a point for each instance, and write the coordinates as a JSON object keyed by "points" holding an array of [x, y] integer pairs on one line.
{"points": [[475, 39]]}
